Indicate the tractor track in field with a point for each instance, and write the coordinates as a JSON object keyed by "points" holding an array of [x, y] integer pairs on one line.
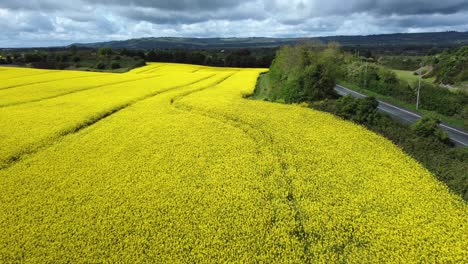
{"points": [[180, 96], [54, 80], [77, 91], [152, 69], [47, 142], [299, 232], [155, 69]]}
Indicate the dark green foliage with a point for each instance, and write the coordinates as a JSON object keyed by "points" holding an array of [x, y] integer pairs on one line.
{"points": [[304, 73], [407, 63], [428, 126], [244, 58], [452, 66], [115, 65], [385, 82], [138, 63], [73, 49], [152, 56], [464, 114], [346, 107], [442, 100], [362, 111], [77, 58], [105, 52], [317, 82], [101, 66]]}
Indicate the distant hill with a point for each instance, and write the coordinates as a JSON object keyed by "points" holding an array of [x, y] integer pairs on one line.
{"points": [[437, 39]]}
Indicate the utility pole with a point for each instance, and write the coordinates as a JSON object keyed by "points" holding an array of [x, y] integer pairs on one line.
{"points": [[419, 86], [365, 76]]}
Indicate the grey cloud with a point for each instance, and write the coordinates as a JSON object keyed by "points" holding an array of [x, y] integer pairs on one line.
{"points": [[420, 6], [37, 23], [25, 22], [39, 5], [181, 5], [244, 11], [61, 21], [431, 20], [377, 7]]}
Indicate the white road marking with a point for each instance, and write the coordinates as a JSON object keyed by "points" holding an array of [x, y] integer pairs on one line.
{"points": [[454, 129], [408, 112]]}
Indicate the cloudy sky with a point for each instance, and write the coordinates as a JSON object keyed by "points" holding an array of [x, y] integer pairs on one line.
{"points": [[26, 23]]}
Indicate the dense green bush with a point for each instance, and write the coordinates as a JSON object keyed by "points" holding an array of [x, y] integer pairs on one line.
{"points": [[101, 66], [361, 111], [442, 100], [428, 126], [304, 73], [139, 63], [452, 66], [115, 65]]}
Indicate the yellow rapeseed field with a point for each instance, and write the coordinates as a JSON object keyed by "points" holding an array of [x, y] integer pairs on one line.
{"points": [[170, 164]]}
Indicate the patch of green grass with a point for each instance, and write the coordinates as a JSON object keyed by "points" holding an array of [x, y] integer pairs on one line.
{"points": [[263, 87], [459, 122], [459, 87], [410, 77]]}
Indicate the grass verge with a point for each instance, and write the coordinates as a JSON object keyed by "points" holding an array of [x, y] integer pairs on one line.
{"points": [[458, 122]]}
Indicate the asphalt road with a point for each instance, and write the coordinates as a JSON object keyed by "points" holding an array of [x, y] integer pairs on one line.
{"points": [[458, 136]]}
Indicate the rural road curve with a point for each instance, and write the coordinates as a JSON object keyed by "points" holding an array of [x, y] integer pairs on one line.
{"points": [[458, 136]]}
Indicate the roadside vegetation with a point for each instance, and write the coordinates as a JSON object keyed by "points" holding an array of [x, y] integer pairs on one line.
{"points": [[451, 107], [446, 68], [287, 82], [413, 76]]}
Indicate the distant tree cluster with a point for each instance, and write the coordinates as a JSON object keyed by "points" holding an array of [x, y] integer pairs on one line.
{"points": [[243, 58], [110, 59], [105, 59], [305, 72]]}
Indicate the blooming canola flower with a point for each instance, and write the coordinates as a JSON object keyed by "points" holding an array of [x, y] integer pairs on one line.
{"points": [[170, 163]]}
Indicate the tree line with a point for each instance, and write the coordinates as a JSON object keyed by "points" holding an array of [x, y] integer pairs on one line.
{"points": [[108, 58]]}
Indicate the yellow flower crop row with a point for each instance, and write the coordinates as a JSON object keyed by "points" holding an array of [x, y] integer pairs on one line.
{"points": [[179, 168]]}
